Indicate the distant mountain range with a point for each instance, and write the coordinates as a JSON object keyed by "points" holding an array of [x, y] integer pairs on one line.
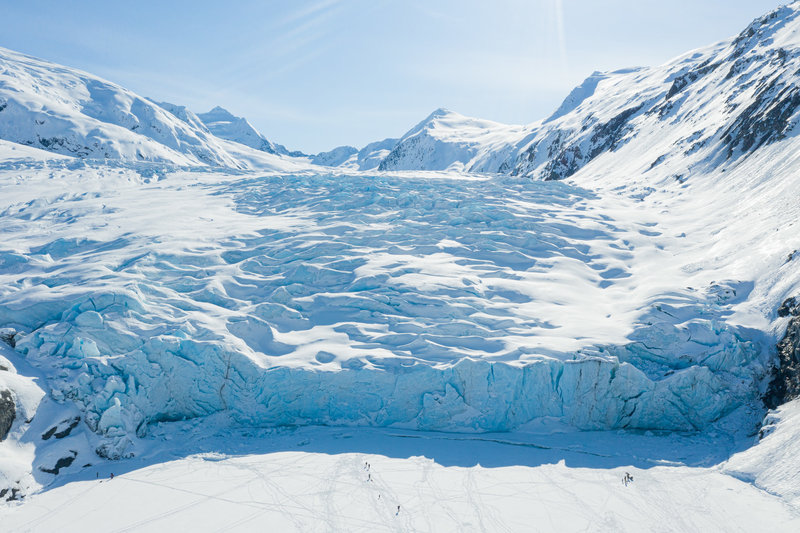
{"points": [[708, 106], [224, 125]]}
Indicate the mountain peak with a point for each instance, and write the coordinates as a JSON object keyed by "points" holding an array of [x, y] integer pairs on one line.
{"points": [[775, 29], [226, 125], [216, 114], [440, 112]]}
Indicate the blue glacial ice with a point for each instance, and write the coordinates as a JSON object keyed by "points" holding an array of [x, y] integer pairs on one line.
{"points": [[415, 302]]}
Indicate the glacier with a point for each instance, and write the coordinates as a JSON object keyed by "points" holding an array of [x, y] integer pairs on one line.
{"points": [[424, 303]]}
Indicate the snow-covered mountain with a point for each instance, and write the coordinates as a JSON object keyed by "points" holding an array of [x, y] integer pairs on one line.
{"points": [[707, 107], [449, 141], [445, 140], [74, 113], [336, 157], [368, 158], [70, 112], [224, 125], [651, 298]]}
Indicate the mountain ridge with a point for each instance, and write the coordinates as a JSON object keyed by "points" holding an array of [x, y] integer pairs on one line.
{"points": [[81, 115], [225, 125]]}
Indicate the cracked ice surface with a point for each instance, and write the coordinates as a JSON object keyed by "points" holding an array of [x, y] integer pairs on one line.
{"points": [[418, 301]]}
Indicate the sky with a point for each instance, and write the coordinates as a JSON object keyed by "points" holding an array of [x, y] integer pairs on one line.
{"points": [[317, 74]]}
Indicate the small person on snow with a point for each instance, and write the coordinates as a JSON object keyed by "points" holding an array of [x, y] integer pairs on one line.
{"points": [[398, 511], [112, 475], [627, 479]]}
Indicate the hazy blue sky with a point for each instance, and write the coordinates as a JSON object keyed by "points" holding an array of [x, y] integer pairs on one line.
{"points": [[317, 74]]}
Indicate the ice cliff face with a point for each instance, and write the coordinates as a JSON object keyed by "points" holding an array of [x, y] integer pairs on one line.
{"points": [[427, 304]]}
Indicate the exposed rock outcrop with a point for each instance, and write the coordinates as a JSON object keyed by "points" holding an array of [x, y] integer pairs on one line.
{"points": [[785, 383], [8, 411], [63, 462]]}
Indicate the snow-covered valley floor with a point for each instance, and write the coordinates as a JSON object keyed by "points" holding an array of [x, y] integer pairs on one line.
{"points": [[316, 479]]}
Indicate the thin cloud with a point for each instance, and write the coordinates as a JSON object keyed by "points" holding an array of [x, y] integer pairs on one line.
{"points": [[292, 41]]}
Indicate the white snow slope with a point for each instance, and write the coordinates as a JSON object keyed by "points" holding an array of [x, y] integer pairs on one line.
{"points": [[313, 479], [700, 111], [224, 125], [446, 140], [368, 158], [69, 112], [633, 297]]}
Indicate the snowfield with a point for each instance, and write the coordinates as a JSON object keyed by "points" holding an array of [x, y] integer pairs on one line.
{"points": [[315, 479], [501, 320]]}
